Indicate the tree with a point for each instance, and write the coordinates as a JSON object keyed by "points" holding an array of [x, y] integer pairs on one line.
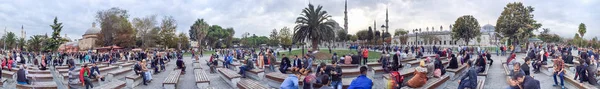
{"points": [[516, 22], [35, 43], [362, 35], [313, 25], [285, 37], [10, 39], [377, 36], [184, 42], [143, 26], [353, 37], [167, 32], [116, 29], [466, 28], [273, 39], [198, 32], [21, 42], [581, 30], [341, 36], [400, 32], [54, 42], [370, 35]]}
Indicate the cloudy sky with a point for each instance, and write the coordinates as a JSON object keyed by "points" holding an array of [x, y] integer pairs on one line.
{"points": [[261, 16]]}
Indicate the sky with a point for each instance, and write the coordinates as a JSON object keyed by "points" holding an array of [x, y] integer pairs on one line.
{"points": [[260, 17]]}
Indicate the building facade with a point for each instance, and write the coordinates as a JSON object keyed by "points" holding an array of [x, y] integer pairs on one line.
{"points": [[444, 38], [88, 40]]}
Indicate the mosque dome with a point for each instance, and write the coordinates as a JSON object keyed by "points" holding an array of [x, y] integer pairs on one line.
{"points": [[93, 30]]}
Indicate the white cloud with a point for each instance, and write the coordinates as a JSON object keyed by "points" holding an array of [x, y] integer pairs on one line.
{"points": [[261, 16]]}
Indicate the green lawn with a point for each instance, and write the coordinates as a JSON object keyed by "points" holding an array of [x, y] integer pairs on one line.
{"points": [[373, 56]]}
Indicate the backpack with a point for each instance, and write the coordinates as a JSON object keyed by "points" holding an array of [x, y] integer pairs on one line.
{"points": [[396, 79]]}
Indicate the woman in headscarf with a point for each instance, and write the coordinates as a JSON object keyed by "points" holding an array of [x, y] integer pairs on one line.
{"points": [[453, 62], [420, 77]]}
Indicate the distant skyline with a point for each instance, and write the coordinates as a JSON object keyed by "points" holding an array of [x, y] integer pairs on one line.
{"points": [[261, 16]]}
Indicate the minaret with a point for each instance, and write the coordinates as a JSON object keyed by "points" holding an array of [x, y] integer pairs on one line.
{"points": [[22, 32], [346, 16], [374, 26], [387, 26]]}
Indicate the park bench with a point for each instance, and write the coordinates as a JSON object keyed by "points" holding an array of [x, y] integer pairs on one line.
{"points": [[255, 73], [436, 82], [250, 84], [171, 80], [371, 64], [377, 70], [202, 80], [38, 85], [196, 65], [47, 71], [133, 80], [432, 83], [274, 79], [106, 69], [230, 76], [570, 79], [127, 65], [414, 63], [348, 66], [7, 74], [408, 59], [2, 81], [506, 70], [118, 74], [480, 83], [350, 73], [485, 72], [111, 85]]}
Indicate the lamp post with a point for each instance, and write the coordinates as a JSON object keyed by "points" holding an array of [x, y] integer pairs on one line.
{"points": [[416, 36]]}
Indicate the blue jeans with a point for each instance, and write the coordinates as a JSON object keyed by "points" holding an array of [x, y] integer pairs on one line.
{"points": [[336, 84], [243, 71], [561, 75]]}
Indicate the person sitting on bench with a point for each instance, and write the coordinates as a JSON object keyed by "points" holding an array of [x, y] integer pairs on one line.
{"points": [[137, 68], [469, 80], [84, 78], [285, 63], [249, 66], [420, 77], [180, 64], [22, 76], [362, 81], [481, 62], [95, 72], [297, 65], [453, 62]]}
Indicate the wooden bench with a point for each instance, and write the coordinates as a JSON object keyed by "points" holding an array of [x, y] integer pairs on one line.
{"points": [[39, 85], [459, 69], [350, 73], [112, 85], [570, 79], [485, 72], [7, 74], [408, 59], [127, 65], [250, 84], [118, 74], [202, 80], [506, 70], [274, 79], [133, 80], [377, 71], [348, 66], [371, 64], [432, 83], [436, 82], [255, 73], [2, 81], [230, 76], [196, 65], [170, 81], [480, 83]]}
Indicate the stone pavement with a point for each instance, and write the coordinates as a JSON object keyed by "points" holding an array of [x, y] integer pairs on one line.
{"points": [[496, 79]]}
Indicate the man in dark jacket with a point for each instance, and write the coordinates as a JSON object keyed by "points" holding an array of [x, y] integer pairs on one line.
{"points": [[469, 80], [137, 68], [336, 75], [526, 82], [285, 64], [249, 66]]}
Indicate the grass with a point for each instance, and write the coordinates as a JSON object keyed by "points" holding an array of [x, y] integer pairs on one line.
{"points": [[326, 56]]}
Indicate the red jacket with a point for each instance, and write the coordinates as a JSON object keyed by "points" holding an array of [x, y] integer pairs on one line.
{"points": [[81, 72]]}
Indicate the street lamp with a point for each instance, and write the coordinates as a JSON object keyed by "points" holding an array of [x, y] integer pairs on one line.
{"points": [[416, 36]]}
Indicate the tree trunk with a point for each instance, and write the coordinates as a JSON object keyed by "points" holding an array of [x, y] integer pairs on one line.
{"points": [[315, 45]]}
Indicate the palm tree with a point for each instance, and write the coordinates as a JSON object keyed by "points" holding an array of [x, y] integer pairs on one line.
{"points": [[313, 25]]}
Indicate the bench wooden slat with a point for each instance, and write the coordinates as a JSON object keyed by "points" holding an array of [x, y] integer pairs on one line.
{"points": [[437, 82], [250, 84], [173, 77], [112, 85], [228, 73], [201, 76]]}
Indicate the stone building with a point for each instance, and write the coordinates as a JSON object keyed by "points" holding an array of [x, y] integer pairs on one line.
{"points": [[443, 38], [88, 40]]}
